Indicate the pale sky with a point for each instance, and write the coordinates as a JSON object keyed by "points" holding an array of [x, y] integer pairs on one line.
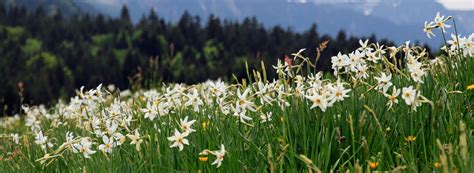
{"points": [[458, 4], [449, 4]]}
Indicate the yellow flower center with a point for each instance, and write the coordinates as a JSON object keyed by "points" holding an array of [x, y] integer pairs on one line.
{"points": [[242, 102], [392, 98], [317, 101]]}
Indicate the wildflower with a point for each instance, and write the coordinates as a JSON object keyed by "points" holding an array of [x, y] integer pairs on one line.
{"points": [[263, 93], [437, 165], [297, 55], [219, 156], [440, 22], [410, 139], [135, 139], [455, 41], [409, 95], [119, 138], [428, 29], [281, 97], [242, 117], [84, 148], [108, 144], [392, 51], [383, 82], [31, 119], [373, 165], [203, 158], [417, 75], [338, 92], [288, 66], [436, 61], [355, 60], [339, 61], [186, 125], [361, 71], [379, 51], [470, 87], [266, 117], [15, 138], [289, 61], [194, 100], [42, 140], [69, 136], [179, 140], [280, 67], [217, 88], [364, 47], [318, 101], [406, 49], [204, 125], [313, 80], [469, 45], [299, 90], [393, 97], [114, 110], [373, 57], [243, 101], [110, 126], [150, 111]]}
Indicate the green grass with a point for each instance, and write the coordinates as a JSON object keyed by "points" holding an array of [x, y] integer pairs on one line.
{"points": [[346, 137]]}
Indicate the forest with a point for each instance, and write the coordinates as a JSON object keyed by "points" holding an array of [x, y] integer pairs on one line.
{"points": [[44, 56]]}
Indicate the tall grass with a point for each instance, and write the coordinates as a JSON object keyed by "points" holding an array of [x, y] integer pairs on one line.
{"points": [[282, 132]]}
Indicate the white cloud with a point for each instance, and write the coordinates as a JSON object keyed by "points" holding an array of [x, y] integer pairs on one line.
{"points": [[335, 1], [105, 2], [458, 4]]}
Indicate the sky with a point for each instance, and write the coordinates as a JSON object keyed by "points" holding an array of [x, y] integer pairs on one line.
{"points": [[458, 4], [449, 4]]}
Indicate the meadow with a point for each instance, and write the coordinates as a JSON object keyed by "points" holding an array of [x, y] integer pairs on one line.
{"points": [[382, 109]]}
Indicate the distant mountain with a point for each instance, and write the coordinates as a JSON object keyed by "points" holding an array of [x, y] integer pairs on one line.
{"points": [[398, 20], [67, 7]]}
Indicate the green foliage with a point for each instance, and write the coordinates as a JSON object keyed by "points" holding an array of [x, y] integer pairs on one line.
{"points": [[43, 60], [102, 40], [15, 33], [32, 46]]}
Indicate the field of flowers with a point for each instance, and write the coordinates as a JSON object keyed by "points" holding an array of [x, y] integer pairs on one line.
{"points": [[383, 108]]}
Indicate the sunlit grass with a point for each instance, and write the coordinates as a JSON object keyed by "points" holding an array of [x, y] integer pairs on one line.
{"points": [[352, 120]]}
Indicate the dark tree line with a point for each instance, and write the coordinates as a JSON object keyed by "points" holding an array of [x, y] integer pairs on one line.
{"points": [[52, 55]]}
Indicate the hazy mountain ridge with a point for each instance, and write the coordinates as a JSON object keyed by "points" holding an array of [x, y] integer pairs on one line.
{"points": [[67, 7], [399, 20], [383, 17]]}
